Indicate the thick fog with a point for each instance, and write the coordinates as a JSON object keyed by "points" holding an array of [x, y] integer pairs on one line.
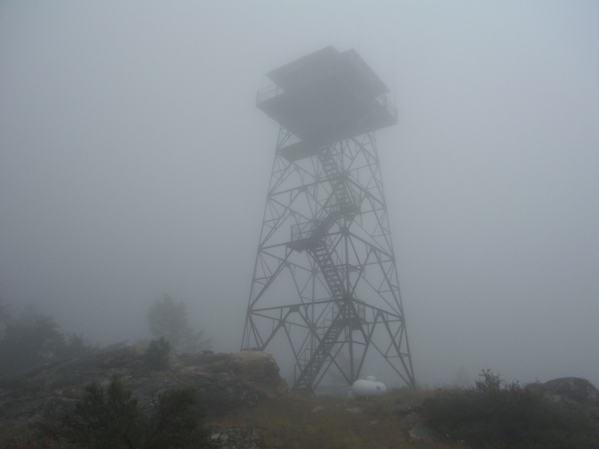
{"points": [[134, 163]]}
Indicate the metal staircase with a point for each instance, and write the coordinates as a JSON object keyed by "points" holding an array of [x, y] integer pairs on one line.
{"points": [[322, 256], [319, 355], [341, 205], [341, 193]]}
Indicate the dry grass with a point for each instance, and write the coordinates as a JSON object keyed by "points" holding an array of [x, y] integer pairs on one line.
{"points": [[298, 421]]}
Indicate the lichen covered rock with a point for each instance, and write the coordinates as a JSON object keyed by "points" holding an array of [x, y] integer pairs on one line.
{"points": [[572, 390]]}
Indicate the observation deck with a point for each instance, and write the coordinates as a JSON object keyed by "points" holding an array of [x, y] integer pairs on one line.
{"points": [[326, 97]]}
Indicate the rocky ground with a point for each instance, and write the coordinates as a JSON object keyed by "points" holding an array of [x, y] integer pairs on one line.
{"points": [[223, 381], [249, 403], [301, 421]]}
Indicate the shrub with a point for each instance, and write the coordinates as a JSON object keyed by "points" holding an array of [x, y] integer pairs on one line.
{"points": [[156, 355], [32, 339], [105, 420], [175, 421], [112, 419], [496, 414], [168, 318]]}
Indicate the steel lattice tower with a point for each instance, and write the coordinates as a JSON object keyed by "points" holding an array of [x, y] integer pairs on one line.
{"points": [[325, 279]]}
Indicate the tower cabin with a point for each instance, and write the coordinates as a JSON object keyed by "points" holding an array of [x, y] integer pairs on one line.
{"points": [[323, 98]]}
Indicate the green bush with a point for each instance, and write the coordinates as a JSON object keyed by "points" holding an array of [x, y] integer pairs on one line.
{"points": [[499, 415], [105, 420], [168, 318], [156, 355], [175, 421], [112, 419], [32, 339], [29, 341]]}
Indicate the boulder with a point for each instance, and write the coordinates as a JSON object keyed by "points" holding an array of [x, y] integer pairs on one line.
{"points": [[572, 390], [259, 370], [421, 433]]}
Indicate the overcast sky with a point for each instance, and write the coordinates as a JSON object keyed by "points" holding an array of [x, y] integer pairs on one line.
{"points": [[134, 163]]}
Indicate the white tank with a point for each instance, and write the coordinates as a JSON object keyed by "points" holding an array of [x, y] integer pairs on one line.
{"points": [[369, 387]]}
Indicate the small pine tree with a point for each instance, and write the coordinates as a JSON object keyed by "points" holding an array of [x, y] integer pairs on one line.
{"points": [[168, 319], [174, 422], [105, 419], [30, 340], [111, 419], [156, 355]]}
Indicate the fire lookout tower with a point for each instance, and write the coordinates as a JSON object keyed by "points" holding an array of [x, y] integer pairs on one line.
{"points": [[325, 283]]}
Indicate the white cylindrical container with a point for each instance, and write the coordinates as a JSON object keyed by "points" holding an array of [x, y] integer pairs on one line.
{"points": [[369, 387]]}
